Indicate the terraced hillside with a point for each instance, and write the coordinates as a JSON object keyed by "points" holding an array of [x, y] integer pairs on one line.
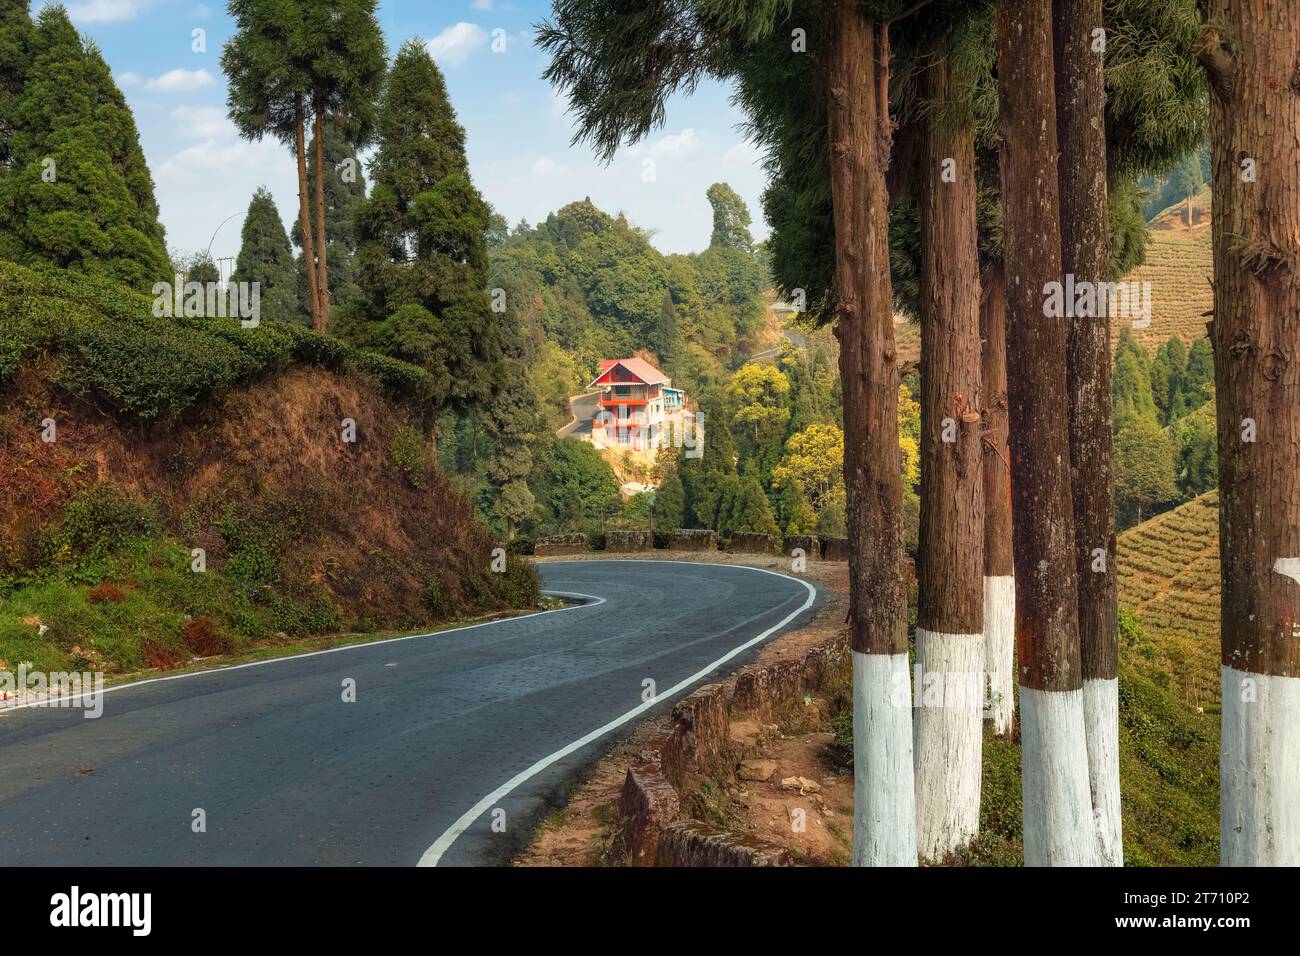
{"points": [[1169, 578], [1178, 265]]}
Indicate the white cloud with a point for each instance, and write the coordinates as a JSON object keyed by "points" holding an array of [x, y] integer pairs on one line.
{"points": [[202, 11], [202, 122], [103, 11], [482, 4], [128, 79], [456, 44], [669, 146], [180, 81], [546, 168]]}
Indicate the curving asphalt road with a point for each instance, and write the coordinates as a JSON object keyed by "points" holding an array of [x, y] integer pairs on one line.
{"points": [[449, 734]]}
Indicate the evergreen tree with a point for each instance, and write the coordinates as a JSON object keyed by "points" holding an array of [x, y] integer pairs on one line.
{"points": [[1131, 386], [345, 70], [78, 193], [670, 505], [1198, 380], [344, 183], [15, 36], [422, 257], [265, 258], [267, 64], [730, 219], [1198, 453]]}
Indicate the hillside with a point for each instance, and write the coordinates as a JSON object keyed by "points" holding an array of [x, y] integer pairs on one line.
{"points": [[171, 435], [1178, 265], [1169, 579]]}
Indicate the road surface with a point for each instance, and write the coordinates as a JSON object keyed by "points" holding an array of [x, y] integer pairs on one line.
{"points": [[450, 733]]}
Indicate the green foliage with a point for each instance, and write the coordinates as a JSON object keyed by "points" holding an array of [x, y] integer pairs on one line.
{"points": [[344, 185], [1144, 470], [109, 345], [75, 191], [422, 252], [1131, 386], [408, 452], [669, 505], [1196, 437], [101, 521], [730, 219], [577, 489], [265, 258]]}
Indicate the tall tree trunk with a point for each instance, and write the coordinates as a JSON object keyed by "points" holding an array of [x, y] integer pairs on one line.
{"points": [[304, 217], [322, 273], [884, 830], [1058, 828], [950, 570], [999, 576], [1254, 71], [1085, 254]]}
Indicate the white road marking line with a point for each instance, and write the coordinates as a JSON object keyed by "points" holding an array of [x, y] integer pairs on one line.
{"points": [[58, 702], [441, 845]]}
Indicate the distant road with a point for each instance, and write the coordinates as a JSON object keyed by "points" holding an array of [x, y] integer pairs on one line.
{"points": [[448, 731]]}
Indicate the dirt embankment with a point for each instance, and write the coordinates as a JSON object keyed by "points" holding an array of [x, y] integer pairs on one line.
{"points": [[312, 472]]}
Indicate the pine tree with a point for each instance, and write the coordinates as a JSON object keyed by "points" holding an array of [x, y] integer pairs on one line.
{"points": [[950, 556], [344, 183], [15, 37], [422, 258], [1058, 828], [265, 258], [346, 62], [267, 64], [78, 192], [1248, 51]]}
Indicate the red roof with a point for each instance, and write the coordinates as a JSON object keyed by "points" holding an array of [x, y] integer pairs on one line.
{"points": [[640, 369]]}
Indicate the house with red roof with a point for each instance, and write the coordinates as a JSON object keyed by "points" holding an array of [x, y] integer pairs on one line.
{"points": [[636, 407]]}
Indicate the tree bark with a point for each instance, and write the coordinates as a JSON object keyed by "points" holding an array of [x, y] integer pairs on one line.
{"points": [[950, 569], [322, 272], [1085, 254], [304, 217], [857, 82], [999, 575], [1254, 72], [1057, 808]]}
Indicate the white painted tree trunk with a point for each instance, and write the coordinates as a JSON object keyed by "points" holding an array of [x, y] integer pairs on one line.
{"points": [[1259, 767], [884, 805], [1101, 722], [1000, 649], [948, 740], [1058, 824]]}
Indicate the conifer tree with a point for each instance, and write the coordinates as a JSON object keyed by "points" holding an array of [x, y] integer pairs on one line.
{"points": [[265, 258], [1248, 51], [730, 219], [344, 185], [422, 257], [78, 193]]}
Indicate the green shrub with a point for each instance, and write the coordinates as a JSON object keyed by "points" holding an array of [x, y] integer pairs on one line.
{"points": [[406, 449], [399, 380], [101, 521]]}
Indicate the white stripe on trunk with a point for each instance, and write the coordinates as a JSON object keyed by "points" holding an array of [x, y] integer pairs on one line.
{"points": [[884, 804], [1000, 648], [1101, 720], [948, 725], [1058, 826], [1259, 770]]}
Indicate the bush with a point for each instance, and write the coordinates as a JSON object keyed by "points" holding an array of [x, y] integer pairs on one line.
{"points": [[406, 449], [399, 380], [101, 521]]}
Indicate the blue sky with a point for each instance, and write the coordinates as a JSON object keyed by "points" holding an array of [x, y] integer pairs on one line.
{"points": [[517, 130]]}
